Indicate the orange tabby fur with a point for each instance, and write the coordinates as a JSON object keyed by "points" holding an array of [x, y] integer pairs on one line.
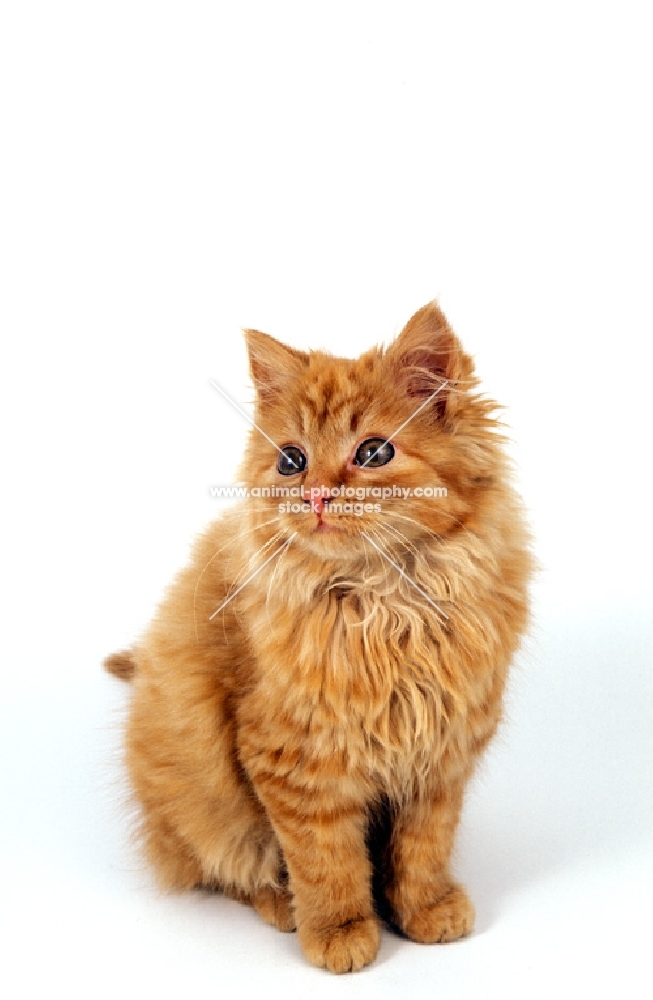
{"points": [[261, 742]]}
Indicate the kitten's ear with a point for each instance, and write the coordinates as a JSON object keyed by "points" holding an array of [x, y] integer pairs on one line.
{"points": [[273, 366], [427, 355]]}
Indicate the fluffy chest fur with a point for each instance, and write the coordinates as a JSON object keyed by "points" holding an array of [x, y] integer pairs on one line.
{"points": [[361, 677]]}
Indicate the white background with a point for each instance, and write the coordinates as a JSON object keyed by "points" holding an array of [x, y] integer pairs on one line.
{"points": [[171, 172]]}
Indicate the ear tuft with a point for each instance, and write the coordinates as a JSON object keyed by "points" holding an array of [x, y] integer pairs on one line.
{"points": [[427, 357]]}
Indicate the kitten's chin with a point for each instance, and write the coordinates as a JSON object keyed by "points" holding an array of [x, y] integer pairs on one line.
{"points": [[327, 539]]}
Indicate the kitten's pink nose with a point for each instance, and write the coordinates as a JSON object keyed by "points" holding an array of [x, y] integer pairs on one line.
{"points": [[318, 504], [314, 494]]}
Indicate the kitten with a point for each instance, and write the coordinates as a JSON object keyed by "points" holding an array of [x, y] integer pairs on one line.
{"points": [[356, 663]]}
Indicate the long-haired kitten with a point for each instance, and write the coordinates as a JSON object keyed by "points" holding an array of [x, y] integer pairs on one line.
{"points": [[356, 663]]}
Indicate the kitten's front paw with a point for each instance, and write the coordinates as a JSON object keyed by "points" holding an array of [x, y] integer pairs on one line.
{"points": [[345, 948], [450, 918], [276, 907]]}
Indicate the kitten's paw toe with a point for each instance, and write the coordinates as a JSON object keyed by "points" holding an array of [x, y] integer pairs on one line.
{"points": [[345, 948], [452, 917], [276, 907]]}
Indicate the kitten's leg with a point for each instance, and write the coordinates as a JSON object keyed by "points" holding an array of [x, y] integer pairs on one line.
{"points": [[429, 906], [178, 866], [274, 903], [200, 821], [175, 863], [323, 842]]}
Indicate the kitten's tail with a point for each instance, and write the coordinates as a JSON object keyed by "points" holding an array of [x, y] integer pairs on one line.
{"points": [[121, 665]]}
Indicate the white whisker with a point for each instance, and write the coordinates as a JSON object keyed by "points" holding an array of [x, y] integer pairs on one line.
{"points": [[249, 579], [421, 526], [405, 575], [221, 549]]}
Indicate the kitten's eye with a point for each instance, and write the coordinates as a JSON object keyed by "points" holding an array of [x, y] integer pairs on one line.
{"points": [[374, 452], [291, 461]]}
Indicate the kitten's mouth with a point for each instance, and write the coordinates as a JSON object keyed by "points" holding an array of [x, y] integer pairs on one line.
{"points": [[323, 527]]}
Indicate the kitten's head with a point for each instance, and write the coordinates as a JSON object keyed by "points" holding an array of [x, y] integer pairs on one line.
{"points": [[405, 421]]}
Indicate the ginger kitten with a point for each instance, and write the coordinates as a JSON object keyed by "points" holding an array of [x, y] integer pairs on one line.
{"points": [[359, 671]]}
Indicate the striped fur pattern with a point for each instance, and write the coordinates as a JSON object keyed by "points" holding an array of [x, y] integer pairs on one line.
{"points": [[263, 742]]}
